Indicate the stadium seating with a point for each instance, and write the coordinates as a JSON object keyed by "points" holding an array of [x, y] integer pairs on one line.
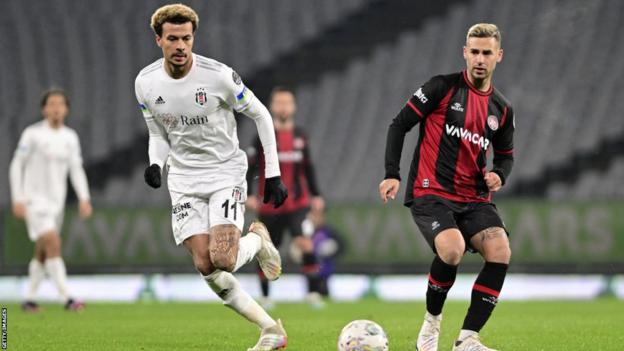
{"points": [[94, 50], [560, 71]]}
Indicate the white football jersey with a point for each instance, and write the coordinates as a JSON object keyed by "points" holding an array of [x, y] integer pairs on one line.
{"points": [[43, 159], [195, 115]]}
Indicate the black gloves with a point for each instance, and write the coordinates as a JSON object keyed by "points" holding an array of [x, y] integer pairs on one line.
{"points": [[152, 176], [275, 191]]}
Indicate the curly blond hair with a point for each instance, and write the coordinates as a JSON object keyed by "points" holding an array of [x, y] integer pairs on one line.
{"points": [[173, 13], [484, 30]]}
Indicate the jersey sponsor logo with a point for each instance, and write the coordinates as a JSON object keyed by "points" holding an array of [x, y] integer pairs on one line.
{"points": [[492, 122], [169, 120], [457, 107], [421, 96], [177, 208], [201, 97], [290, 156], [159, 101], [465, 134], [180, 210], [236, 78], [193, 121]]}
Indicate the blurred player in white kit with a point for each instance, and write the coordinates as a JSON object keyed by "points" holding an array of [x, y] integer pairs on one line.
{"points": [[47, 152], [188, 102]]}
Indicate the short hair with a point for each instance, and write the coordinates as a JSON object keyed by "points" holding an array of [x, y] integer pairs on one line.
{"points": [[53, 91], [280, 89], [173, 13], [484, 30]]}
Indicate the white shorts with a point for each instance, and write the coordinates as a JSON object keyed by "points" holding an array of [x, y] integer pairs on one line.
{"points": [[40, 221], [197, 206]]}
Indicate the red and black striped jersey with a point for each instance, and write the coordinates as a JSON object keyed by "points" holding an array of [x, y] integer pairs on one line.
{"points": [[459, 124], [296, 169]]}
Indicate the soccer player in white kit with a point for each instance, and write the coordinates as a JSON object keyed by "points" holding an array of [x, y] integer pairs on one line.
{"points": [[47, 152], [188, 102]]}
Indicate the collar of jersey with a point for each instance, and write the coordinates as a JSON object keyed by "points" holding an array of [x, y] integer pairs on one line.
{"points": [[472, 87], [180, 80]]}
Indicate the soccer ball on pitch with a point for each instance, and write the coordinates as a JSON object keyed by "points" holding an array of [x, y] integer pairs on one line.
{"points": [[362, 335]]}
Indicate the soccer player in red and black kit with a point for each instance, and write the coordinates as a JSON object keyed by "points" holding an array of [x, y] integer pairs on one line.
{"points": [[449, 188], [298, 175]]}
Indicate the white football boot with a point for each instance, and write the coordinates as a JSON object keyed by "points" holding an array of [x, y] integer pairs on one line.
{"points": [[272, 338], [429, 333], [268, 256], [471, 343]]}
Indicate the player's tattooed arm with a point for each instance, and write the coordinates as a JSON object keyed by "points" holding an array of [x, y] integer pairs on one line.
{"points": [[224, 246]]}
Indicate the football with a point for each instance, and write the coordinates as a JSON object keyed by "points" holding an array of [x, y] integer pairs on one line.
{"points": [[362, 335]]}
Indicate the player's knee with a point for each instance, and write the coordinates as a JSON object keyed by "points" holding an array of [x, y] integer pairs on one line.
{"points": [[499, 254], [203, 264], [224, 262], [451, 255], [52, 246]]}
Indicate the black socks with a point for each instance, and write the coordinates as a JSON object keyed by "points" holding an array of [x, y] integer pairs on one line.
{"points": [[441, 279], [485, 293]]}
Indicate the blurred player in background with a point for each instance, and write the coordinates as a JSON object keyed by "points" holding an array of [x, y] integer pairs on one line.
{"points": [[298, 174], [449, 189], [327, 246], [47, 152], [188, 102]]}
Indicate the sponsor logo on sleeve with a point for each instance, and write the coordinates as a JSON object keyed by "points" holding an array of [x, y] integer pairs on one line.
{"points": [[421, 96], [236, 78]]}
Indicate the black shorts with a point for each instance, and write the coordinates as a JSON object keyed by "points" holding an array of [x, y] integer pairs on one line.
{"points": [[434, 214], [278, 223]]}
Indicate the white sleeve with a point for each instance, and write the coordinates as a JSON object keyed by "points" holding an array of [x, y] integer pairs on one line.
{"points": [[158, 146], [240, 98], [233, 91], [77, 173], [264, 123], [16, 169]]}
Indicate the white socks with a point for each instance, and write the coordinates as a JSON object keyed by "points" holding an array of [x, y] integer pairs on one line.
{"points": [[55, 267], [226, 286], [248, 247], [36, 273], [464, 333]]}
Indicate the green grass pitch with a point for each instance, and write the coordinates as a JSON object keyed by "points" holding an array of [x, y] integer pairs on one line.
{"points": [[593, 325]]}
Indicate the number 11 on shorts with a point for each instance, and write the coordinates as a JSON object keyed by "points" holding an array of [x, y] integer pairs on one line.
{"points": [[226, 208]]}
